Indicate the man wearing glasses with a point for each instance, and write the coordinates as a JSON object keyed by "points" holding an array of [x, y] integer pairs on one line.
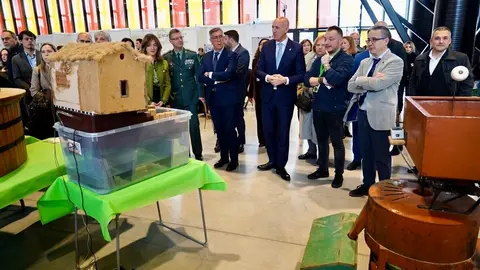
{"points": [[218, 72], [375, 84], [186, 90], [84, 38]]}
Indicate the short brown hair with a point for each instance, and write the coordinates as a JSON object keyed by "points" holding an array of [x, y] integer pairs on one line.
{"points": [[441, 28], [173, 31], [335, 28], [146, 40], [213, 30]]}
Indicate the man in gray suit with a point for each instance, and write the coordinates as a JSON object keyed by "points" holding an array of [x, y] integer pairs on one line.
{"points": [[231, 40], [22, 68], [376, 83]]}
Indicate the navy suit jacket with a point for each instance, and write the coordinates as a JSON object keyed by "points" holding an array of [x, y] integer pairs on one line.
{"points": [[243, 57], [334, 99], [225, 91], [292, 65]]}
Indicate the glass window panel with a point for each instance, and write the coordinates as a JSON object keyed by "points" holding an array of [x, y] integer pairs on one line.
{"points": [[308, 14], [91, 14], [306, 35], [18, 16], [118, 14], [104, 10], [30, 14], [195, 12], [377, 10], [179, 13], [41, 18], [350, 13], [267, 10], [7, 13], [290, 11], [163, 13], [65, 16], [212, 12], [77, 16], [248, 10], [400, 6], [290, 36], [327, 13], [133, 18], [53, 13], [230, 11]]}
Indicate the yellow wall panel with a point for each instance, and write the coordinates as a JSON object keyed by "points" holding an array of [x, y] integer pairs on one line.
{"points": [[195, 12], [307, 14], [230, 11], [7, 15], [78, 16], [54, 20], [105, 20], [133, 14], [267, 10], [163, 13], [31, 23]]}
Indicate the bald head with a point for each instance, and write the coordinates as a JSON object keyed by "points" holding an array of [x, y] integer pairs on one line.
{"points": [[84, 38], [381, 23], [280, 28]]}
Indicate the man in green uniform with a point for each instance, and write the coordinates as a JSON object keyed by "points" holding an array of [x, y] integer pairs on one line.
{"points": [[186, 91]]}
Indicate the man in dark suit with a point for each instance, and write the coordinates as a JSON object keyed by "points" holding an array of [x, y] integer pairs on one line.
{"points": [[243, 61], [218, 73], [329, 76], [281, 67], [431, 71], [22, 67]]}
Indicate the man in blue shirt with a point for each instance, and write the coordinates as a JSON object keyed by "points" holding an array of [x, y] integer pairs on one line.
{"points": [[329, 75]]}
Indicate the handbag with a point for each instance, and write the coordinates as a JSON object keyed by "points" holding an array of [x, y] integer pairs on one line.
{"points": [[40, 103], [304, 101]]}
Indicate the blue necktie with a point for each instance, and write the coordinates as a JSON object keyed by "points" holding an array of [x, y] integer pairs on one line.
{"points": [[370, 74], [215, 60], [279, 53]]}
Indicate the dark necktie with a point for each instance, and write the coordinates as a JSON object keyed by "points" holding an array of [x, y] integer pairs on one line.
{"points": [[370, 74], [215, 60], [178, 57]]}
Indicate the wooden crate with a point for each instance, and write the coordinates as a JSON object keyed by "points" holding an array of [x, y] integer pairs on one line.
{"points": [[13, 152]]}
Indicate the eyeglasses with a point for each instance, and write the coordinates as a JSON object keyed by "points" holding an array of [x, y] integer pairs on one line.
{"points": [[216, 37], [373, 40]]}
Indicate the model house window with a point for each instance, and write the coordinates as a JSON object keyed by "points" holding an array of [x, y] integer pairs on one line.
{"points": [[123, 88]]}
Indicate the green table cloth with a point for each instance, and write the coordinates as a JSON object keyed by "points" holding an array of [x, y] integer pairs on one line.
{"points": [[30, 139], [55, 204], [39, 171]]}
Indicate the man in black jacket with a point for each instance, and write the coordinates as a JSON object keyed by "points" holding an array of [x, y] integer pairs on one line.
{"points": [[10, 42], [431, 71]]}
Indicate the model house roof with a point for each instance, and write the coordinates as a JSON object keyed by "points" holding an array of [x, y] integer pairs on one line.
{"points": [[96, 52]]}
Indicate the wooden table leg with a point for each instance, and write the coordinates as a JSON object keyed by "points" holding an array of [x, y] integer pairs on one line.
{"points": [[359, 224]]}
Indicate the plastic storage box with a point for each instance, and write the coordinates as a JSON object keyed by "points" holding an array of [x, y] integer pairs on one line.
{"points": [[113, 159]]}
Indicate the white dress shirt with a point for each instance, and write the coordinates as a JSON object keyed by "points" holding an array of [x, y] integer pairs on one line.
{"points": [[284, 42], [364, 105], [434, 62], [234, 48]]}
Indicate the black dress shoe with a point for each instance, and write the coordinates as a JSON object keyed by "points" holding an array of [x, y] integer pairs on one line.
{"points": [[232, 166], [267, 166], [241, 148], [200, 158], [217, 147], [261, 145], [337, 181], [221, 163], [354, 165], [307, 156], [346, 132], [318, 174], [283, 173], [360, 191], [396, 150]]}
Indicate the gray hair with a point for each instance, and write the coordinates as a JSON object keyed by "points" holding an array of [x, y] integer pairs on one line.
{"points": [[383, 29], [84, 33], [214, 30], [104, 34]]}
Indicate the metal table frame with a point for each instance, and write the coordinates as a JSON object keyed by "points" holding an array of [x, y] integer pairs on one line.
{"points": [[161, 223]]}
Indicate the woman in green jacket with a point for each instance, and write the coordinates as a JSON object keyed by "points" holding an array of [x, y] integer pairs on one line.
{"points": [[158, 78]]}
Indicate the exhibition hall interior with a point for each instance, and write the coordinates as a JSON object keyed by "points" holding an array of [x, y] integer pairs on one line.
{"points": [[239, 134]]}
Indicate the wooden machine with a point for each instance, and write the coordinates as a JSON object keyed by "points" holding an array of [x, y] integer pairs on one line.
{"points": [[432, 223]]}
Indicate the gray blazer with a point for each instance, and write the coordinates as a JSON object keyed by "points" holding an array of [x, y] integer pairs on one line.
{"points": [[22, 71], [381, 102]]}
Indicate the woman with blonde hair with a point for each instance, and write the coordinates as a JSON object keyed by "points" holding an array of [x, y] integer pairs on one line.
{"points": [[158, 77], [307, 132], [348, 45], [41, 108]]}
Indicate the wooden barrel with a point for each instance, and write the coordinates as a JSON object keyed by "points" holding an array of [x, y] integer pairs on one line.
{"points": [[13, 151]]}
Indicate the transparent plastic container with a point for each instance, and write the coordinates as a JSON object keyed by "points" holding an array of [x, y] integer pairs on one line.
{"points": [[113, 159]]}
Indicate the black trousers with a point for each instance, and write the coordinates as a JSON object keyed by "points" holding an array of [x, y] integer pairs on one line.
{"points": [[330, 125], [241, 125], [224, 119], [258, 114]]}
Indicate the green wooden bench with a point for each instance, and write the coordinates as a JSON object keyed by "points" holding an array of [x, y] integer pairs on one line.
{"points": [[329, 246]]}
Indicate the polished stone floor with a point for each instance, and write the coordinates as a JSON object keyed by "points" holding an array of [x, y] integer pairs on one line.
{"points": [[260, 222]]}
